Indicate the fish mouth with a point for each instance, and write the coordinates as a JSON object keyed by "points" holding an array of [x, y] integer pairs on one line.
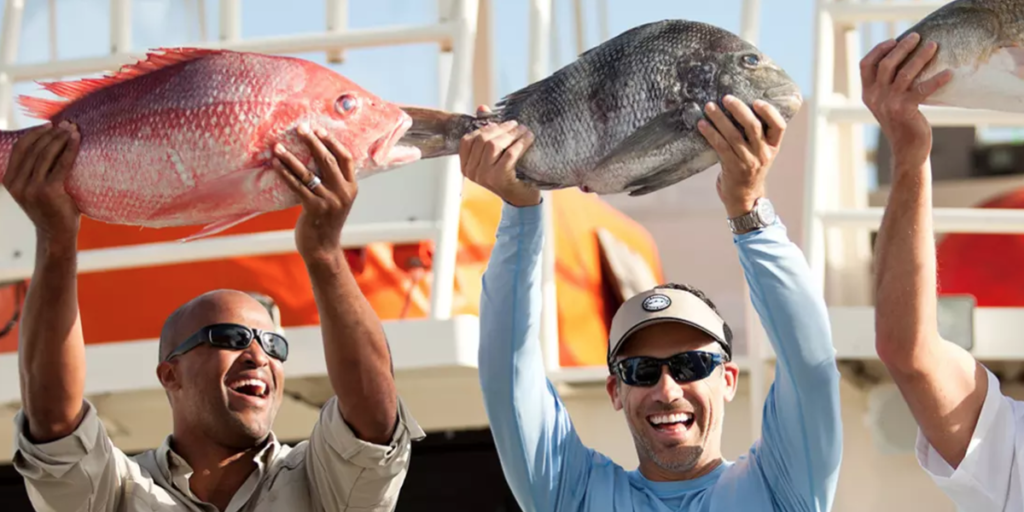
{"points": [[786, 98], [385, 151]]}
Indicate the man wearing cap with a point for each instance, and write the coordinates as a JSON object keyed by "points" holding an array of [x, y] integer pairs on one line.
{"points": [[670, 356]]}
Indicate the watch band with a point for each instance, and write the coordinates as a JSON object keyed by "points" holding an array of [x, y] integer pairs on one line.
{"points": [[761, 216]]}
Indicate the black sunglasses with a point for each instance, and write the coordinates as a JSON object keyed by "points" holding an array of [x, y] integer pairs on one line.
{"points": [[235, 337], [683, 367]]}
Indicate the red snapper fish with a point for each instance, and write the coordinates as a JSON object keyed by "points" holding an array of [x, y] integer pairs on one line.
{"points": [[184, 137]]}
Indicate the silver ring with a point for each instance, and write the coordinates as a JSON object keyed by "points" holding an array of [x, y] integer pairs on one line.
{"points": [[313, 183]]}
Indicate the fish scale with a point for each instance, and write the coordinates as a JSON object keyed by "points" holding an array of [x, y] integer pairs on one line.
{"points": [[622, 117], [184, 137]]}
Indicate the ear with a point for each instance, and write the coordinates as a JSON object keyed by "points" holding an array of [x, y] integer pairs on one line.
{"points": [[612, 385], [167, 373], [731, 374]]}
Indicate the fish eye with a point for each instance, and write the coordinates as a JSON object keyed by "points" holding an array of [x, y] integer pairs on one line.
{"points": [[346, 103], [751, 59]]}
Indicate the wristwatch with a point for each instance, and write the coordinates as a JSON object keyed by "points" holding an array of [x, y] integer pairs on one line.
{"points": [[763, 215]]}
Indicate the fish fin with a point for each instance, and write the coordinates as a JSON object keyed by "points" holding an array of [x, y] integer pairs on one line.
{"points": [[41, 108], [537, 184], [221, 225], [664, 129], [211, 193], [75, 89]]}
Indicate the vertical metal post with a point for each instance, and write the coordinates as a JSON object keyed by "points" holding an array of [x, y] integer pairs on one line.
{"points": [[456, 87], [230, 20], [540, 36], [483, 56], [120, 26], [750, 20], [337, 22], [9, 41], [581, 38]]}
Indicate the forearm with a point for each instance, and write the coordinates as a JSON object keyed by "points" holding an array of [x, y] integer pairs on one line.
{"points": [[943, 385], [802, 427], [51, 349], [355, 349], [538, 448], [905, 279]]}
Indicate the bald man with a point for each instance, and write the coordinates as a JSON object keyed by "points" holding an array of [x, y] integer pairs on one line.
{"points": [[221, 365]]}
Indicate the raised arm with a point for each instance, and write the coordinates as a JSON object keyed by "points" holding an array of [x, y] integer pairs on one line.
{"points": [[61, 447], [538, 447], [942, 384], [51, 351], [359, 450], [801, 446]]}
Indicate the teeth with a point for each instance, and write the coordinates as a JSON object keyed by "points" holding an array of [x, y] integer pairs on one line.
{"points": [[261, 387], [679, 417]]}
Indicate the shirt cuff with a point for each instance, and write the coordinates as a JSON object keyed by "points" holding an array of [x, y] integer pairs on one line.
{"points": [[363, 453], [58, 456]]}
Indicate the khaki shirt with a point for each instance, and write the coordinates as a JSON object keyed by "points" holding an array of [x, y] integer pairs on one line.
{"points": [[333, 471]]}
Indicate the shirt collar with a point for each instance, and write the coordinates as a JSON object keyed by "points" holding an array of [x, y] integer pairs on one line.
{"points": [[177, 471]]}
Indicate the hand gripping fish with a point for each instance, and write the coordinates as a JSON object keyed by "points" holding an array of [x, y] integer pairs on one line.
{"points": [[982, 43], [623, 116], [184, 137]]}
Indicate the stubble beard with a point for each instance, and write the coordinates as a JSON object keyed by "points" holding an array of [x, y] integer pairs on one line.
{"points": [[679, 459]]}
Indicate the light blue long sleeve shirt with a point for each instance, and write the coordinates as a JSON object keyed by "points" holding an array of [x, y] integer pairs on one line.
{"points": [[793, 467]]}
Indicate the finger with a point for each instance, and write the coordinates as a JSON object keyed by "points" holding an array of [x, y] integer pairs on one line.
{"points": [[928, 87], [497, 146], [725, 127], [67, 158], [305, 195], [48, 155], [22, 145], [913, 67], [31, 171], [515, 150], [750, 123], [721, 146], [891, 62], [776, 123], [341, 155], [329, 172], [480, 146], [869, 64], [292, 165], [482, 110], [471, 142]]}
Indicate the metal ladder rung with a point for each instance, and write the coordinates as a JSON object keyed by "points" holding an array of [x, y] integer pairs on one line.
{"points": [[857, 113], [945, 220], [844, 13]]}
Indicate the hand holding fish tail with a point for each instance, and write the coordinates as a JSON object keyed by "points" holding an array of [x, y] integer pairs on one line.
{"points": [[489, 155], [39, 164], [746, 160], [890, 95], [326, 200]]}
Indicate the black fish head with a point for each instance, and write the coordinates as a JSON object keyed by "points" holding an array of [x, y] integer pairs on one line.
{"points": [[751, 75]]}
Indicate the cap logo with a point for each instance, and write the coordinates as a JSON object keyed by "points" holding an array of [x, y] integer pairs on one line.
{"points": [[656, 302]]}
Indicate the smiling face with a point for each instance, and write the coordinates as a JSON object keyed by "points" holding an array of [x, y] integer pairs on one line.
{"points": [[229, 397], [677, 428]]}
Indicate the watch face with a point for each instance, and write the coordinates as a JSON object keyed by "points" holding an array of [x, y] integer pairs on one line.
{"points": [[765, 211]]}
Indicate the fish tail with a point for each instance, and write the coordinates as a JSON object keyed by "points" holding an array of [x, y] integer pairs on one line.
{"points": [[437, 133]]}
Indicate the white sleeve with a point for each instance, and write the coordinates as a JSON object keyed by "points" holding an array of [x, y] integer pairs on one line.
{"points": [[982, 480]]}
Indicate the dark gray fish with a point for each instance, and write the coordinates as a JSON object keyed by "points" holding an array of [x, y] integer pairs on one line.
{"points": [[623, 116]]}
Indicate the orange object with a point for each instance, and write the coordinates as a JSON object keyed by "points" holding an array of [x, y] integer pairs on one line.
{"points": [[986, 266], [132, 304]]}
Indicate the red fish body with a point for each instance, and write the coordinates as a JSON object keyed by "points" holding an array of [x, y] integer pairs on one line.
{"points": [[185, 137]]}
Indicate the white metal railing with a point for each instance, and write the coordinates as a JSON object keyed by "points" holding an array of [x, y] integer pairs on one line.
{"points": [[837, 219], [454, 32]]}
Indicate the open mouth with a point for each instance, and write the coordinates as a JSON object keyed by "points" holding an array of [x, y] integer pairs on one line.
{"points": [[253, 388], [671, 423], [384, 151]]}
